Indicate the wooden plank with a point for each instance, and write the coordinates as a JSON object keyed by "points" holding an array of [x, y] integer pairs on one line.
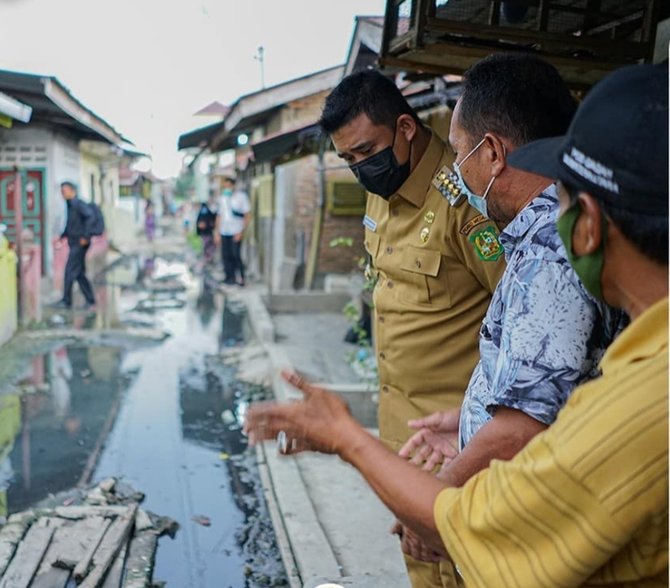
{"points": [[82, 568], [113, 577], [10, 536], [28, 557], [82, 512], [140, 563], [113, 542], [71, 542], [53, 578]]}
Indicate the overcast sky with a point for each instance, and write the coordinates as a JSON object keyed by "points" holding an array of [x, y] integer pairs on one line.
{"points": [[146, 66]]}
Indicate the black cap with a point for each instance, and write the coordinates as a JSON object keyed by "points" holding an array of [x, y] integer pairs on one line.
{"points": [[616, 147]]}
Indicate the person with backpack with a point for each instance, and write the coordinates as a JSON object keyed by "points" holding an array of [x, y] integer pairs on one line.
{"points": [[84, 220]]}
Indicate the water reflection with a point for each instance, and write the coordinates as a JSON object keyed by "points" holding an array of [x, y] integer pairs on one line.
{"points": [[48, 433], [175, 434]]}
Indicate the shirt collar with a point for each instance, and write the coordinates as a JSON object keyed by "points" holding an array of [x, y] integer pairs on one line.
{"points": [[645, 337], [535, 211], [416, 186]]}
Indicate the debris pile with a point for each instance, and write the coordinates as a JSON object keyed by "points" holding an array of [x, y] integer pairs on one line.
{"points": [[100, 538]]}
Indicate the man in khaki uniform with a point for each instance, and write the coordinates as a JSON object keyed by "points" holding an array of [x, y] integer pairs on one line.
{"points": [[437, 259]]}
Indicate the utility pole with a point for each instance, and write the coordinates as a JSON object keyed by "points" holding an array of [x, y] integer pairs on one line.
{"points": [[261, 60]]}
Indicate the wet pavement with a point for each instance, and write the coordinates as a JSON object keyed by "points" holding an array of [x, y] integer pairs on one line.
{"points": [[163, 416]]}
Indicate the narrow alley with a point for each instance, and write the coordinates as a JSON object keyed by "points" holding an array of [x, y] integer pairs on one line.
{"points": [[163, 415]]}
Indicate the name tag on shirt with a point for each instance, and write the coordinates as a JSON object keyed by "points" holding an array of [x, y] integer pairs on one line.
{"points": [[370, 223]]}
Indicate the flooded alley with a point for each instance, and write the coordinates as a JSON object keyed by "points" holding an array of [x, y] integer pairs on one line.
{"points": [[163, 413]]}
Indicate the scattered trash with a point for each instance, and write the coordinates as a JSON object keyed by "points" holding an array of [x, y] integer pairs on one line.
{"points": [[57, 319], [85, 373], [224, 456], [228, 417], [201, 520]]}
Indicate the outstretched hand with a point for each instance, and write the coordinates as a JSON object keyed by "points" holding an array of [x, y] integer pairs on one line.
{"points": [[316, 423], [436, 442]]}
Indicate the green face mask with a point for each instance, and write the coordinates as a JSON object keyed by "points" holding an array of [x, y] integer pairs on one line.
{"points": [[589, 267]]}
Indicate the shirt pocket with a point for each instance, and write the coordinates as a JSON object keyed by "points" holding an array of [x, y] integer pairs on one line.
{"points": [[424, 283]]}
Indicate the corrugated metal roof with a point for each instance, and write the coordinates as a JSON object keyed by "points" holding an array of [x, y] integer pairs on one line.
{"points": [[53, 103]]}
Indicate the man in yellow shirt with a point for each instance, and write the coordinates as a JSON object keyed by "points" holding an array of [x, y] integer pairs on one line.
{"points": [[585, 503]]}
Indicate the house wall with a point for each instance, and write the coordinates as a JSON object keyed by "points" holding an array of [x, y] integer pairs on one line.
{"points": [[302, 112], [8, 298], [43, 147], [296, 204]]}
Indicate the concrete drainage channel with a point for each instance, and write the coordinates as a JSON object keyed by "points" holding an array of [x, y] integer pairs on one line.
{"points": [[324, 544]]}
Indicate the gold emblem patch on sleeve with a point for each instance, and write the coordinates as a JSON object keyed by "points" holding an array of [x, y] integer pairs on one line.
{"points": [[472, 223]]}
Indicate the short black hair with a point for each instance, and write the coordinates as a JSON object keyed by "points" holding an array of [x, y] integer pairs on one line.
{"points": [[647, 232], [230, 179], [516, 95], [69, 184], [365, 92]]}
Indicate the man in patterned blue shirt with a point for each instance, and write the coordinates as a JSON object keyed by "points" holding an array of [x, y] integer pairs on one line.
{"points": [[543, 333]]}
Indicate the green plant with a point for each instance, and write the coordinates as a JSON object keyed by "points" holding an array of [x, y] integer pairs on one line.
{"points": [[194, 242], [363, 356]]}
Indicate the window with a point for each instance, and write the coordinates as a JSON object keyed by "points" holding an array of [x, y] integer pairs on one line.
{"points": [[346, 198]]}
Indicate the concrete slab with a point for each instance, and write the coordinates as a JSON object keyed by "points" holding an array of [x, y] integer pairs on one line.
{"points": [[314, 343], [302, 302], [354, 520]]}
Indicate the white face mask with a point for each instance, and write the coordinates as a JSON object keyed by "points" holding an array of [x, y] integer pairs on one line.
{"points": [[476, 201]]}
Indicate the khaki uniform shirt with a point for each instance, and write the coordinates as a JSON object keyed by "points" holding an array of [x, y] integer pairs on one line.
{"points": [[585, 503], [437, 266]]}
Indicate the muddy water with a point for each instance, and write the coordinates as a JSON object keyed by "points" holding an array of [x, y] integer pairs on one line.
{"points": [[169, 418]]}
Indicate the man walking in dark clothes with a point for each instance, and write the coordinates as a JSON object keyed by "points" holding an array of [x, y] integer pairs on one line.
{"points": [[78, 234]]}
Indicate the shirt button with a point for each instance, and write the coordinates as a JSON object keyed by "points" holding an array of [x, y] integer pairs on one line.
{"points": [[382, 355], [395, 212], [385, 389], [417, 262], [389, 250], [390, 284], [381, 318]]}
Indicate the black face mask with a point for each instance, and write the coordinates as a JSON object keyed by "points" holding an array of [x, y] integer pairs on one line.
{"points": [[381, 173]]}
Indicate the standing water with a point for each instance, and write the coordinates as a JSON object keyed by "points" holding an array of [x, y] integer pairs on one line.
{"points": [[169, 416]]}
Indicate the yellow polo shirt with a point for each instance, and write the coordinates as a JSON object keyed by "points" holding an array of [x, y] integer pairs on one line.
{"points": [[586, 502], [437, 266]]}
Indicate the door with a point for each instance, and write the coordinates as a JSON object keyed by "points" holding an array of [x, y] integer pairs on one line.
{"points": [[33, 199]]}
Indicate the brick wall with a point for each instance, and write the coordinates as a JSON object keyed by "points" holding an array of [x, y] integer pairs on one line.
{"points": [[299, 222]]}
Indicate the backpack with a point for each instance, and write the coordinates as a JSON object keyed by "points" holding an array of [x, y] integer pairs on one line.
{"points": [[96, 223]]}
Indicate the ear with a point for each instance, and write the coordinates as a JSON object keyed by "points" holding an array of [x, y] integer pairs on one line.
{"points": [[587, 235], [496, 153], [407, 126]]}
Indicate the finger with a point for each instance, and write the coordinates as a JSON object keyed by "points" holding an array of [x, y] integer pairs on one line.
{"points": [[296, 445], [434, 460], [413, 443], [396, 528], [421, 455], [298, 382], [442, 443], [266, 422], [430, 422]]}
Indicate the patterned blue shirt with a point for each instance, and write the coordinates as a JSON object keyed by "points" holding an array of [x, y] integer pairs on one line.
{"points": [[543, 333]]}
